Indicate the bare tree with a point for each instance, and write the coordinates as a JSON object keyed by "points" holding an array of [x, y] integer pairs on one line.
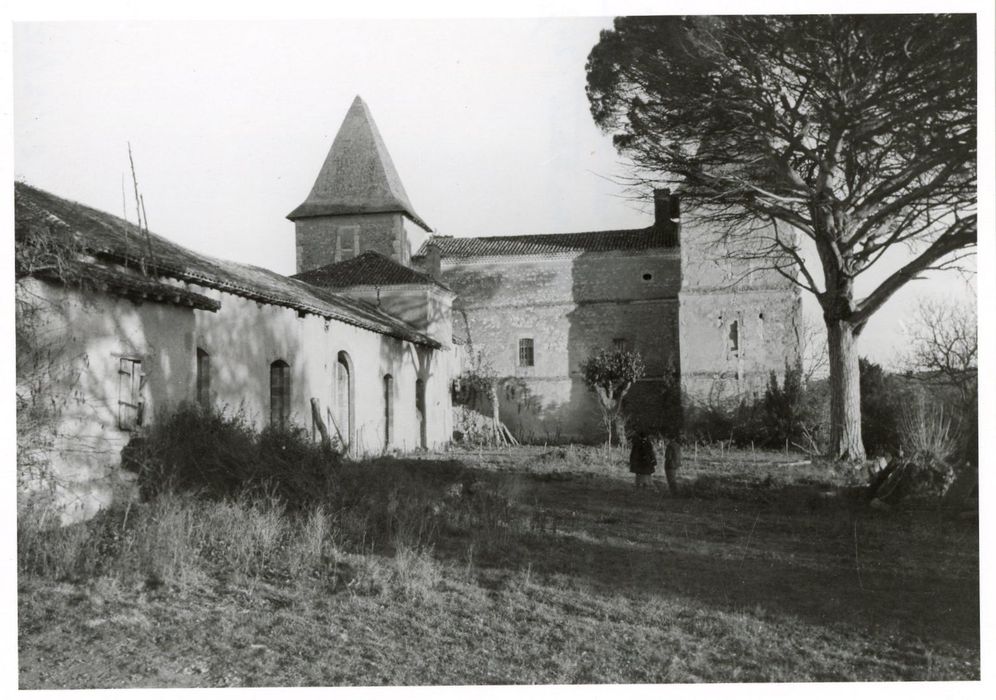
{"points": [[809, 145], [943, 342], [943, 350], [815, 359]]}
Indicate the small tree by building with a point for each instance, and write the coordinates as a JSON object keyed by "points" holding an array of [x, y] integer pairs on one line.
{"points": [[481, 378], [611, 374]]}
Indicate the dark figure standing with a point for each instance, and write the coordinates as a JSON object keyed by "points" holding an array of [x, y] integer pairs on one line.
{"points": [[643, 460], [672, 463]]}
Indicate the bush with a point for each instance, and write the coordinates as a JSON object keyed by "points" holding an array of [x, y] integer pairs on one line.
{"points": [[787, 413], [217, 455], [882, 399], [224, 501]]}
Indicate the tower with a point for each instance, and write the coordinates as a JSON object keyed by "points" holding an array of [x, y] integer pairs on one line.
{"points": [[357, 203]]}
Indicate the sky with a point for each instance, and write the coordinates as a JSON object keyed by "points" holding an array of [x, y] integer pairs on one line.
{"points": [[486, 121]]}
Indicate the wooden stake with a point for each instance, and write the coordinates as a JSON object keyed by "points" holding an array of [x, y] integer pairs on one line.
{"points": [[316, 416]]}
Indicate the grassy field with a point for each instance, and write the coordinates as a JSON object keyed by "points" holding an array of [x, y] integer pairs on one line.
{"points": [[525, 566]]}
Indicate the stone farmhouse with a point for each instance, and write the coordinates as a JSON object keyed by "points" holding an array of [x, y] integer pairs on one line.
{"points": [[380, 318]]}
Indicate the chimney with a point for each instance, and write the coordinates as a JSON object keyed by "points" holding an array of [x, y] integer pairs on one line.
{"points": [[432, 263], [667, 215]]}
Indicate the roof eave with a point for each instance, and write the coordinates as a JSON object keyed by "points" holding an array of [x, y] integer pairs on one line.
{"points": [[315, 210]]}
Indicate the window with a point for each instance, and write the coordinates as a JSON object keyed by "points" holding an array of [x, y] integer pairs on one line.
{"points": [[620, 344], [647, 276], [344, 399], [420, 413], [526, 357], [347, 242], [734, 337], [388, 409], [131, 402], [280, 397], [203, 378]]}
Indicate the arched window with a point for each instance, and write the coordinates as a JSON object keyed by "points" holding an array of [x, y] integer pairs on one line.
{"points": [[420, 412], [344, 397], [203, 378], [388, 409], [280, 394], [734, 336]]}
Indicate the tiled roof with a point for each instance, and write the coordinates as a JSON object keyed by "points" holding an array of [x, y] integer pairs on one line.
{"points": [[127, 283], [112, 239], [369, 268], [358, 175], [554, 243]]}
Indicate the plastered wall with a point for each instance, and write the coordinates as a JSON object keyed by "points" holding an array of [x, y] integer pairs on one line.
{"points": [[94, 330], [86, 337]]}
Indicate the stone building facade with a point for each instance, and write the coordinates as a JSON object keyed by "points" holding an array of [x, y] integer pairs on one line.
{"points": [[534, 306]]}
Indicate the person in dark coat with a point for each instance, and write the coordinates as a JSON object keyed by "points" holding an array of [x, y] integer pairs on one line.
{"points": [[643, 460]]}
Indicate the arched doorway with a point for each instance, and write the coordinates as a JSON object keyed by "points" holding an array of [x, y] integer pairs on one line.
{"points": [[344, 399], [420, 413]]}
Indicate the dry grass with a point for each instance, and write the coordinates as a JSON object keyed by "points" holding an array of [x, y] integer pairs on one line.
{"points": [[524, 566]]}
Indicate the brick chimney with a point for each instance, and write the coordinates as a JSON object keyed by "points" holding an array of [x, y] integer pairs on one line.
{"points": [[667, 215]]}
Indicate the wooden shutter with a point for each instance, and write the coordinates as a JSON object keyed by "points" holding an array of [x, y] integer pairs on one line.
{"points": [[131, 385]]}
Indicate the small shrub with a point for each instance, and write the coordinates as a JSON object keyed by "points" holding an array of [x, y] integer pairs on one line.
{"points": [[789, 413], [218, 455], [415, 573], [75, 552], [312, 547]]}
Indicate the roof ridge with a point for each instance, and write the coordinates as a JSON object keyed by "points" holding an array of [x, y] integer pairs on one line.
{"points": [[537, 235]]}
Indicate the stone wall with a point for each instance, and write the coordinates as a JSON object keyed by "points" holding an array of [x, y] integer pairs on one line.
{"points": [[739, 322], [316, 238], [569, 306]]}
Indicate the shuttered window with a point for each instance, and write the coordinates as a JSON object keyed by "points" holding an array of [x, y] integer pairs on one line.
{"points": [[131, 385], [280, 396]]}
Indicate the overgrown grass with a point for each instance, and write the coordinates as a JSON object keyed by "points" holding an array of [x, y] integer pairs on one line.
{"points": [[511, 566]]}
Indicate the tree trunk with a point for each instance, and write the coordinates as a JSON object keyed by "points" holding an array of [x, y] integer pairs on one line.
{"points": [[845, 392], [496, 435], [606, 405], [619, 427]]}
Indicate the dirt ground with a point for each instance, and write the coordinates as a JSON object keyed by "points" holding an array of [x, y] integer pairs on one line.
{"points": [[761, 569]]}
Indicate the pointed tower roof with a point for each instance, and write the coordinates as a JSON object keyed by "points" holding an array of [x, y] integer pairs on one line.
{"points": [[358, 176]]}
